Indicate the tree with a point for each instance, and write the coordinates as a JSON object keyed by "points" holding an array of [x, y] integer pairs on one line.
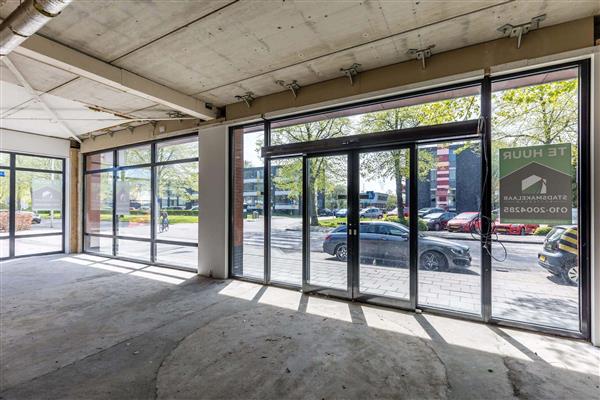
{"points": [[536, 115], [395, 164], [324, 172], [539, 114]]}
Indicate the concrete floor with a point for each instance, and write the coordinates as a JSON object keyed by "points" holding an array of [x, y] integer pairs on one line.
{"points": [[86, 327]]}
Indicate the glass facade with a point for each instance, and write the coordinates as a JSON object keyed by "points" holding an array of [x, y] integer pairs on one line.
{"points": [[536, 271], [499, 210], [31, 205], [141, 202]]}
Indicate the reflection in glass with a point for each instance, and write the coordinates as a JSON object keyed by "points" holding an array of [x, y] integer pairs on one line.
{"points": [[53, 164], [134, 249], [38, 202], [537, 279], [97, 244], [248, 202], [286, 221], [134, 156], [4, 248], [328, 209], [383, 235], [174, 254], [177, 149], [177, 202], [449, 260], [99, 161], [434, 108], [36, 245], [133, 200], [99, 203], [5, 159]]}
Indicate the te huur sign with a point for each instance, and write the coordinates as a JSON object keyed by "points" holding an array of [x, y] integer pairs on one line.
{"points": [[535, 184]]}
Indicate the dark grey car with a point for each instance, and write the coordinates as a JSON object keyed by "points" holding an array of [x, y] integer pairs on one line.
{"points": [[387, 242]]}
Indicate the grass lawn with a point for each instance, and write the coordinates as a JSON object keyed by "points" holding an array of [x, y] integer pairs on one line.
{"points": [[173, 219], [334, 222]]}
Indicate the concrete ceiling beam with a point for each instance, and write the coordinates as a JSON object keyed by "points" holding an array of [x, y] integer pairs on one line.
{"points": [[68, 59]]}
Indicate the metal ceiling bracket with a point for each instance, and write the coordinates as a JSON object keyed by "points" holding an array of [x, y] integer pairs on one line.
{"points": [[421, 54], [518, 31], [176, 114], [293, 86], [351, 72], [247, 98]]}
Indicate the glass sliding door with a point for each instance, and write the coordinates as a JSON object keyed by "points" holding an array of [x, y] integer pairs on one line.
{"points": [[328, 212], [384, 238], [286, 221], [449, 244]]}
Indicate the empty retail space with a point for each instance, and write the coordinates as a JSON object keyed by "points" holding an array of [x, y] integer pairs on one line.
{"points": [[299, 199]]}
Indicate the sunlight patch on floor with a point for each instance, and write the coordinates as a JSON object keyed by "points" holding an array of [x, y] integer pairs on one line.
{"points": [[289, 299], [241, 290], [394, 321], [329, 308]]}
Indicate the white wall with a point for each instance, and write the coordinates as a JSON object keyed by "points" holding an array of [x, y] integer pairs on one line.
{"points": [[212, 201], [33, 144]]}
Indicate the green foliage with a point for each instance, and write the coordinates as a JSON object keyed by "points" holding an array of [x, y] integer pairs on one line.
{"points": [[542, 230], [405, 221], [332, 222], [538, 114]]}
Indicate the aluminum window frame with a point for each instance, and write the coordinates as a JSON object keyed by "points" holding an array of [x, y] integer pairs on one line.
{"points": [[485, 129], [12, 233], [152, 239]]}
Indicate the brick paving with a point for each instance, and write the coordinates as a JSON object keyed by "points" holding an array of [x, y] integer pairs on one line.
{"points": [[521, 295]]}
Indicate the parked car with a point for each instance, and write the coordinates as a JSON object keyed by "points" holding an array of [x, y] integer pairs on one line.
{"points": [[438, 221], [341, 213], [371, 212], [325, 212], [388, 242], [464, 222], [429, 210], [559, 253], [394, 212], [514, 229]]}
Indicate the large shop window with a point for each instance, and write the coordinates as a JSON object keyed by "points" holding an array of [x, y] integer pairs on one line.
{"points": [[501, 209], [535, 199], [141, 202], [31, 205], [433, 108]]}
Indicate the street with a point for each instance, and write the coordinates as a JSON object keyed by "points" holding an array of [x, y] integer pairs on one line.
{"points": [[521, 290]]}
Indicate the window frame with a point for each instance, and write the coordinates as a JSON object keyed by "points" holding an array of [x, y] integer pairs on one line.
{"points": [[12, 233], [152, 239], [485, 93]]}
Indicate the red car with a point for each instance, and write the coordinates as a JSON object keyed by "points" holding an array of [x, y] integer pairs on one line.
{"points": [[515, 229], [464, 222]]}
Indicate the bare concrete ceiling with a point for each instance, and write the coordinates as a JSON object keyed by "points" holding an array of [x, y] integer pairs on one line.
{"points": [[215, 50]]}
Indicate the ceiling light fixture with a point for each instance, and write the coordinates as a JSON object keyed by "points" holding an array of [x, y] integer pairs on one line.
{"points": [[518, 31], [421, 54]]}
